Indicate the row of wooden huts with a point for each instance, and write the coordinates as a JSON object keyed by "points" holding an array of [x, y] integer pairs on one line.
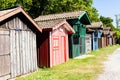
{"points": [[98, 36], [46, 41]]}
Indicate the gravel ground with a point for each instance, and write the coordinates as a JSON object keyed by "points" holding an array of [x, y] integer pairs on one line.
{"points": [[111, 67]]}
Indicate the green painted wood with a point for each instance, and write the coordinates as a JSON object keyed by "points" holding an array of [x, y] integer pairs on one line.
{"points": [[77, 40]]}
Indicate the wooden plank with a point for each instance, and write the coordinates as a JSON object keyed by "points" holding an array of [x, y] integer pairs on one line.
{"points": [[30, 53], [7, 44], [21, 52], [35, 52], [20, 24], [1, 45], [23, 44], [6, 64], [6, 77], [4, 32], [17, 53], [11, 24], [2, 58], [32, 65], [14, 54], [26, 53], [28, 50], [1, 66]]}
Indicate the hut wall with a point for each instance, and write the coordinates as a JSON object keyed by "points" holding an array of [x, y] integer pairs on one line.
{"points": [[113, 41], [22, 47], [100, 43], [77, 40], [105, 41], [88, 43], [110, 40], [43, 49]]}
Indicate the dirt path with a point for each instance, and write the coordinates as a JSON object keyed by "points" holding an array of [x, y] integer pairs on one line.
{"points": [[112, 67]]}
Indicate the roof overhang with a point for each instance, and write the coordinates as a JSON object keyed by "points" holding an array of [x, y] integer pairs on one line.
{"points": [[84, 18]]}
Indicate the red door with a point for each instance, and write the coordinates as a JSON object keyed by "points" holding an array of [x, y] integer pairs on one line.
{"points": [[55, 53]]}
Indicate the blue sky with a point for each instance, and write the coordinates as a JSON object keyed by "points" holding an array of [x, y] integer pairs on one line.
{"points": [[108, 8]]}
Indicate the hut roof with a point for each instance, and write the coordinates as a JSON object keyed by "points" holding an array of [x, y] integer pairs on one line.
{"points": [[54, 24], [95, 25], [107, 28], [112, 33], [5, 14]]}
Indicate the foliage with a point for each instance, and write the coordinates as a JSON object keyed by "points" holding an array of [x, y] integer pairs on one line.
{"points": [[94, 15], [41, 7], [117, 33], [75, 69], [107, 21], [10, 3]]}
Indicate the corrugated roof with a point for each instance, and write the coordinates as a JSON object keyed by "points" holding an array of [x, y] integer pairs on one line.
{"points": [[112, 33], [67, 15], [11, 12], [95, 25], [50, 23], [106, 28]]}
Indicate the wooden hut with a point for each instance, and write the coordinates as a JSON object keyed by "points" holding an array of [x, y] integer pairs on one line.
{"points": [[18, 54], [78, 20], [112, 37], [106, 35], [96, 35], [88, 39], [53, 46]]}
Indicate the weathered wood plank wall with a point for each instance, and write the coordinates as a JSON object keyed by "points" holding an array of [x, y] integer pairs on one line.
{"points": [[88, 43], [21, 58], [23, 49]]}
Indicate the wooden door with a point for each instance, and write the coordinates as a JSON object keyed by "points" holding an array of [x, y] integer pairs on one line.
{"points": [[4, 53], [55, 50]]}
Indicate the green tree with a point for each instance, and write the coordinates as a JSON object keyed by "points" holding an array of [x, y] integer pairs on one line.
{"points": [[107, 21], [41, 7], [10, 3]]}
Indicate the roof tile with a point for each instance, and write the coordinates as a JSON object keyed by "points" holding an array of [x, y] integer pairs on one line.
{"points": [[67, 15]]}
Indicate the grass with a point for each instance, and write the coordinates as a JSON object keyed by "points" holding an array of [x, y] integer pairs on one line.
{"points": [[74, 69]]}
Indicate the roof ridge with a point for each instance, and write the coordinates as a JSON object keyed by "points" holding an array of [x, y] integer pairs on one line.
{"points": [[58, 15], [62, 13]]}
